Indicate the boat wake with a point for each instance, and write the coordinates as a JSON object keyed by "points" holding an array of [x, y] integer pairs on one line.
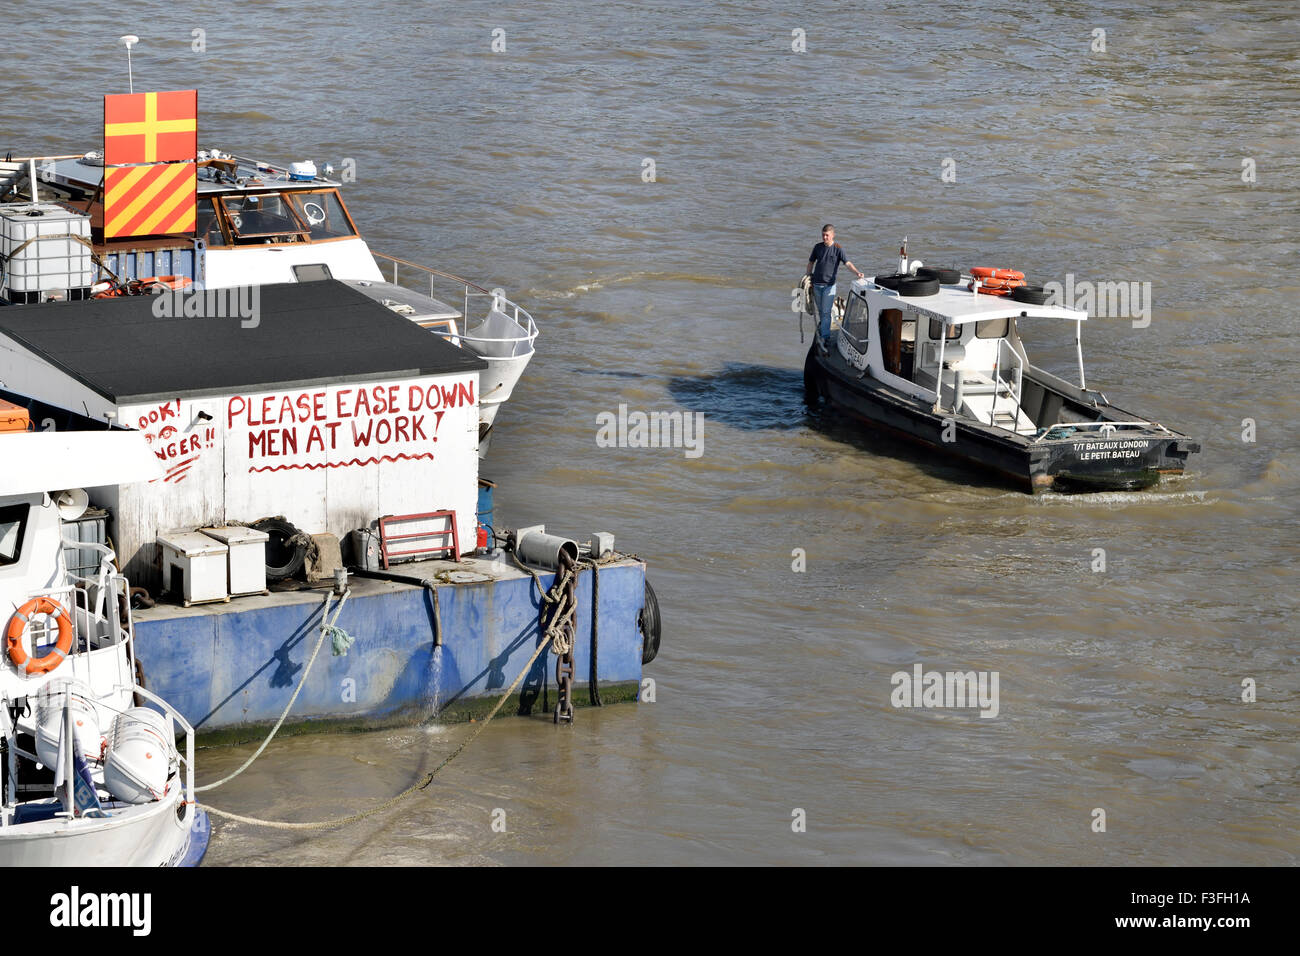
{"points": [[1120, 499], [747, 397]]}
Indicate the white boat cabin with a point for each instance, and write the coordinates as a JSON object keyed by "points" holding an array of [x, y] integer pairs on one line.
{"points": [[960, 351]]}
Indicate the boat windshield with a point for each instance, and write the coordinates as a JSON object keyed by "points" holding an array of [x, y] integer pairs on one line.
{"points": [[262, 217], [323, 214], [207, 227], [294, 216]]}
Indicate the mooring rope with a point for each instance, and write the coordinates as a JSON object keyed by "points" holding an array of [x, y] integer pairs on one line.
{"points": [[562, 613], [326, 627]]}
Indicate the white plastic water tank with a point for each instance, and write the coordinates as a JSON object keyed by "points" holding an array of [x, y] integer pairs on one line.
{"points": [[139, 756], [44, 249], [49, 721]]}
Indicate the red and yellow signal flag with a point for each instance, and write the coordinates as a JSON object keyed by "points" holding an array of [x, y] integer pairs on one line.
{"points": [[149, 200], [150, 148], [150, 127]]}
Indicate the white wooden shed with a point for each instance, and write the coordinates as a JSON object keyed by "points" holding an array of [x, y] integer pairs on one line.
{"points": [[328, 409]]}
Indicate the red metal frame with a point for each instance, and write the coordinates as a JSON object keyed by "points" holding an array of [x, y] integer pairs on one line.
{"points": [[385, 537]]}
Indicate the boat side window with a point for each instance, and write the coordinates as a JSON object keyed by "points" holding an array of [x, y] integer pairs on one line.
{"points": [[207, 226], [854, 323], [262, 217], [992, 329], [13, 519], [936, 331], [323, 214]]}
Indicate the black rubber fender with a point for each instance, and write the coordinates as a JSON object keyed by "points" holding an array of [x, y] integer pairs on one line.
{"points": [[812, 392], [1029, 294], [915, 286], [945, 276], [650, 625], [283, 559]]}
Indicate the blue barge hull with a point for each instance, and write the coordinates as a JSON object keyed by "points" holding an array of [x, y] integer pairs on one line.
{"points": [[233, 667]]}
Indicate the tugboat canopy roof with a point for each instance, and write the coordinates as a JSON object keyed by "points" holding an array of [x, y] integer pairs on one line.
{"points": [[956, 306]]}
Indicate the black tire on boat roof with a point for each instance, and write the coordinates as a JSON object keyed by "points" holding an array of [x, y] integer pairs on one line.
{"points": [[285, 551], [890, 282], [914, 286], [1029, 294], [945, 276], [650, 625]]}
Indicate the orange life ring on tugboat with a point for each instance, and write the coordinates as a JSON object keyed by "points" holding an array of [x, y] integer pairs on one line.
{"points": [[18, 626], [984, 272]]}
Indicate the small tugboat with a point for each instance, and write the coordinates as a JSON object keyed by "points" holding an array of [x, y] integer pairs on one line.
{"points": [[934, 355], [91, 772]]}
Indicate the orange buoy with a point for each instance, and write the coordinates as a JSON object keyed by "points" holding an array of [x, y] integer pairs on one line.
{"points": [[18, 626]]}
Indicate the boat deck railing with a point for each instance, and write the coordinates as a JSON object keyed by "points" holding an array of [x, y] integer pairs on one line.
{"points": [[178, 720], [488, 346]]}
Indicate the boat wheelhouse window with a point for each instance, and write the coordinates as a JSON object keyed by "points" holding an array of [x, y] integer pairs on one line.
{"points": [[262, 217], [322, 213], [207, 225], [992, 329], [936, 330], [854, 323], [13, 519]]}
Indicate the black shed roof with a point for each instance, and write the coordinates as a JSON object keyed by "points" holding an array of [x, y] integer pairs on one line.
{"points": [[306, 334]]}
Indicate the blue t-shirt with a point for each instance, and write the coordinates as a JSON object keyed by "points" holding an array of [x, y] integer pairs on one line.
{"points": [[826, 262]]}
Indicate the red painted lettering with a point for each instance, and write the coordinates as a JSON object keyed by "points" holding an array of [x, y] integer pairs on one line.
{"points": [[232, 411], [338, 402]]}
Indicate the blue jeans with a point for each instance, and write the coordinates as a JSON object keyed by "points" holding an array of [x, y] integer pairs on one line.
{"points": [[824, 296]]}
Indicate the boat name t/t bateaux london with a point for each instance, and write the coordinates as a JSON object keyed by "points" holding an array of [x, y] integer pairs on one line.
{"points": [[935, 356]]}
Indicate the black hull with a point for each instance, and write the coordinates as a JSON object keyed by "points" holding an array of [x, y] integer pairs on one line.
{"points": [[1127, 460]]}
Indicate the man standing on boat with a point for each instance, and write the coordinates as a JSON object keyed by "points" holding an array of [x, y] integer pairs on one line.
{"points": [[822, 266]]}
